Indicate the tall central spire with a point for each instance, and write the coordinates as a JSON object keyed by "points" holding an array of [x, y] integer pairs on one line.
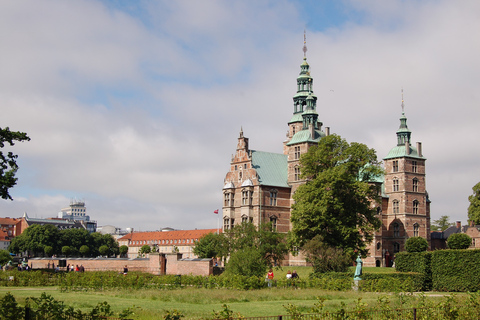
{"points": [[403, 133]]}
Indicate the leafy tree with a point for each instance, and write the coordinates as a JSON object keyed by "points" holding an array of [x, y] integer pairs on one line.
{"points": [[35, 238], [4, 257], [474, 207], [145, 249], [246, 238], [48, 251], [66, 250], [99, 240], [325, 258], [8, 161], [104, 250], [123, 250], [459, 241], [336, 201], [247, 261], [209, 245], [75, 238], [84, 250], [416, 244], [441, 224]]}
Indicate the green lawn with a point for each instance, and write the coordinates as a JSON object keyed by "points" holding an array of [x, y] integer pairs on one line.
{"points": [[199, 303]]}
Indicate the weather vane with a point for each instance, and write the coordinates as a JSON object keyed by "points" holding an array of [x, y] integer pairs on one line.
{"points": [[403, 105], [304, 43]]}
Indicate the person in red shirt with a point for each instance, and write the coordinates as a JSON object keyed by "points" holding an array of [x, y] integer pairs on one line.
{"points": [[270, 278]]}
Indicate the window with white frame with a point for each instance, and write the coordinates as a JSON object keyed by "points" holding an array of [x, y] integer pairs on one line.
{"points": [[395, 184], [395, 206], [297, 174], [414, 166], [297, 153], [415, 206], [415, 185], [395, 166]]}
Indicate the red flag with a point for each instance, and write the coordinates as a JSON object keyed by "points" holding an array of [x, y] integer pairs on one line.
{"points": [[216, 211]]}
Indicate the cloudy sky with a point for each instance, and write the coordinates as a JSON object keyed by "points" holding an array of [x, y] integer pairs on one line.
{"points": [[135, 106]]}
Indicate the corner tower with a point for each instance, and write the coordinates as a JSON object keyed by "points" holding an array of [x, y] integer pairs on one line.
{"points": [[406, 212]]}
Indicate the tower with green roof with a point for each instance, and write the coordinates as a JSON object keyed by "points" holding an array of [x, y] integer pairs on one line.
{"points": [[304, 128], [406, 208]]}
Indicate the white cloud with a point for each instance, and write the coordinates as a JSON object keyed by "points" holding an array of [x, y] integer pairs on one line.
{"points": [[140, 117]]}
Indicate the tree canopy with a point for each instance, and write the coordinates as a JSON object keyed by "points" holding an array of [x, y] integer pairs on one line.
{"points": [[337, 202], [474, 207], [8, 161], [47, 239], [251, 249], [441, 224], [416, 244], [459, 241]]}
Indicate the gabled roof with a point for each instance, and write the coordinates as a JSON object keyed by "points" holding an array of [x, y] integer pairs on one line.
{"points": [[272, 168]]}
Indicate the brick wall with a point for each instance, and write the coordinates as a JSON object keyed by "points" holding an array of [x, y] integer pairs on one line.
{"points": [[153, 264]]}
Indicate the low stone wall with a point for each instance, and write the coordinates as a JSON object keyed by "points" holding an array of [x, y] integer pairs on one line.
{"points": [[155, 263]]}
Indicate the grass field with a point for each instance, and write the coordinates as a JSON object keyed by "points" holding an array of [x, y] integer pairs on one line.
{"points": [[198, 303]]}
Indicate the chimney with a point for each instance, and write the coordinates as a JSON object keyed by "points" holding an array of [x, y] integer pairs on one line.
{"points": [[327, 131], [311, 128], [407, 147], [419, 149], [459, 224], [472, 223]]}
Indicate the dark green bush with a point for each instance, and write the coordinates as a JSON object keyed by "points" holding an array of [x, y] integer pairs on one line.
{"points": [[456, 270], [419, 262], [416, 244], [459, 241]]}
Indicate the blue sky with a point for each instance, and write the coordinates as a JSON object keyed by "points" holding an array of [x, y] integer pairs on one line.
{"points": [[135, 106]]}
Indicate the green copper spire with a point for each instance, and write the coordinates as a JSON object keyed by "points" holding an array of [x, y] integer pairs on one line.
{"points": [[304, 88], [403, 133]]}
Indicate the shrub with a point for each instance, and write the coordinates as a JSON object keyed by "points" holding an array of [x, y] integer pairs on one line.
{"points": [[459, 241], [456, 270], [419, 262], [326, 258], [416, 244], [247, 262]]}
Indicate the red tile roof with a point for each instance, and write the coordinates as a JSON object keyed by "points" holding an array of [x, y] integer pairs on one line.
{"points": [[9, 221], [167, 235]]}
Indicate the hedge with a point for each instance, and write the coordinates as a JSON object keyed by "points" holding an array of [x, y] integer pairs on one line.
{"points": [[106, 280], [456, 270], [419, 262]]}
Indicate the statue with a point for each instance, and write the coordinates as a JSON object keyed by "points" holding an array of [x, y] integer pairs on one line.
{"points": [[358, 269]]}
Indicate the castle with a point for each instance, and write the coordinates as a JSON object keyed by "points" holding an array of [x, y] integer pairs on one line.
{"points": [[260, 185]]}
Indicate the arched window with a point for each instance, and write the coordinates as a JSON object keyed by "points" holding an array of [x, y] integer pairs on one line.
{"points": [[415, 206], [297, 174], [395, 184], [415, 229], [395, 206], [396, 230], [273, 197], [415, 185]]}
